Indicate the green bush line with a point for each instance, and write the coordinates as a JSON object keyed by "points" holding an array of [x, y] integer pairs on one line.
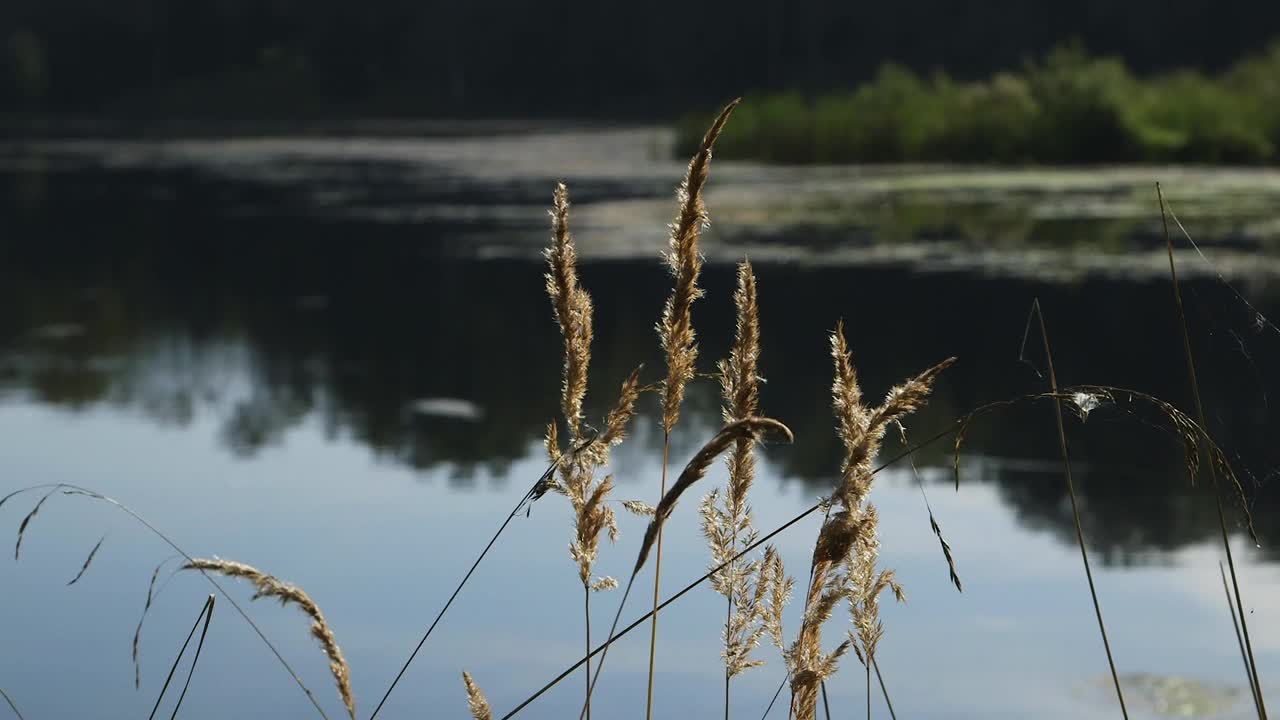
{"points": [[1068, 108]]}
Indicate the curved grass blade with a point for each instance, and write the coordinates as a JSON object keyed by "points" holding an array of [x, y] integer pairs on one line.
{"points": [[87, 560], [26, 521], [137, 633], [69, 489]]}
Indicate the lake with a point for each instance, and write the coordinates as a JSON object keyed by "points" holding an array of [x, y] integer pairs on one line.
{"points": [[333, 358]]}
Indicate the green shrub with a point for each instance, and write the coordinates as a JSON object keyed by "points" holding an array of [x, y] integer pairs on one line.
{"points": [[1068, 108]]}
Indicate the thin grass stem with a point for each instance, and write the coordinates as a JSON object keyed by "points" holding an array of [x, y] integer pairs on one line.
{"points": [[586, 616], [883, 690], [776, 694], [204, 610], [1213, 473], [1231, 608], [12, 705], [195, 659], [528, 498], [657, 584], [1075, 508]]}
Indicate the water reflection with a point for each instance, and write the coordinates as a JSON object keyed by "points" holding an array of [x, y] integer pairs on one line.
{"points": [[173, 310], [324, 396]]}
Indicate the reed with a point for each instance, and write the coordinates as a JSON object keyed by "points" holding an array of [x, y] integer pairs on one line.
{"points": [[844, 565], [755, 590], [693, 472], [675, 329], [592, 515], [269, 586], [1075, 507], [1255, 684], [476, 702]]}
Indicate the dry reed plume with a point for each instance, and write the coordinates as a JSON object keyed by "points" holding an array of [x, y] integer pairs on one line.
{"points": [[697, 468], [571, 305], [745, 584], [845, 555], [675, 329], [270, 586], [476, 701], [748, 427]]}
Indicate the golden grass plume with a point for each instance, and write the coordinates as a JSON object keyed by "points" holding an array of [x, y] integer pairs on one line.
{"points": [[476, 701], [270, 586], [846, 553], [697, 469], [675, 329], [745, 583]]}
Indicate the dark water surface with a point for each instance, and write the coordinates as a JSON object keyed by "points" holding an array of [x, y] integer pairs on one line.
{"points": [[354, 400]]}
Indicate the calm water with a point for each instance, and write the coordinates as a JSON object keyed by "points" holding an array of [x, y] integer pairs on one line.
{"points": [[248, 343]]}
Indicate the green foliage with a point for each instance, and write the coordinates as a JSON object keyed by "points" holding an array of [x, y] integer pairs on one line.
{"points": [[1067, 108]]}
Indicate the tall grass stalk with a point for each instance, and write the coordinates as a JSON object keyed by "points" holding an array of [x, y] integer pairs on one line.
{"points": [[749, 608], [675, 329], [206, 614], [695, 470], [1213, 474], [1075, 508]]}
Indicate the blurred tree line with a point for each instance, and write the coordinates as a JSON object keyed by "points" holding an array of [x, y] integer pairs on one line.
{"points": [[562, 57]]}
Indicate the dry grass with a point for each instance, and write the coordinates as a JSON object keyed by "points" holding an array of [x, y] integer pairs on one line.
{"points": [[88, 561], [675, 328], [270, 586], [592, 515], [476, 702], [745, 584], [749, 427], [845, 556]]}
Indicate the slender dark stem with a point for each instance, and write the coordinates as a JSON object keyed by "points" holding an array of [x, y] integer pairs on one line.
{"points": [[868, 666], [657, 581], [728, 620], [1075, 509], [591, 688], [1231, 608], [531, 495], [826, 706], [194, 659], [586, 615], [776, 694], [1213, 473], [206, 608], [883, 690], [12, 705]]}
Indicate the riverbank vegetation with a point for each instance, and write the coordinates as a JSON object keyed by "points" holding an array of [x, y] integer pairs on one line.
{"points": [[1068, 107]]}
